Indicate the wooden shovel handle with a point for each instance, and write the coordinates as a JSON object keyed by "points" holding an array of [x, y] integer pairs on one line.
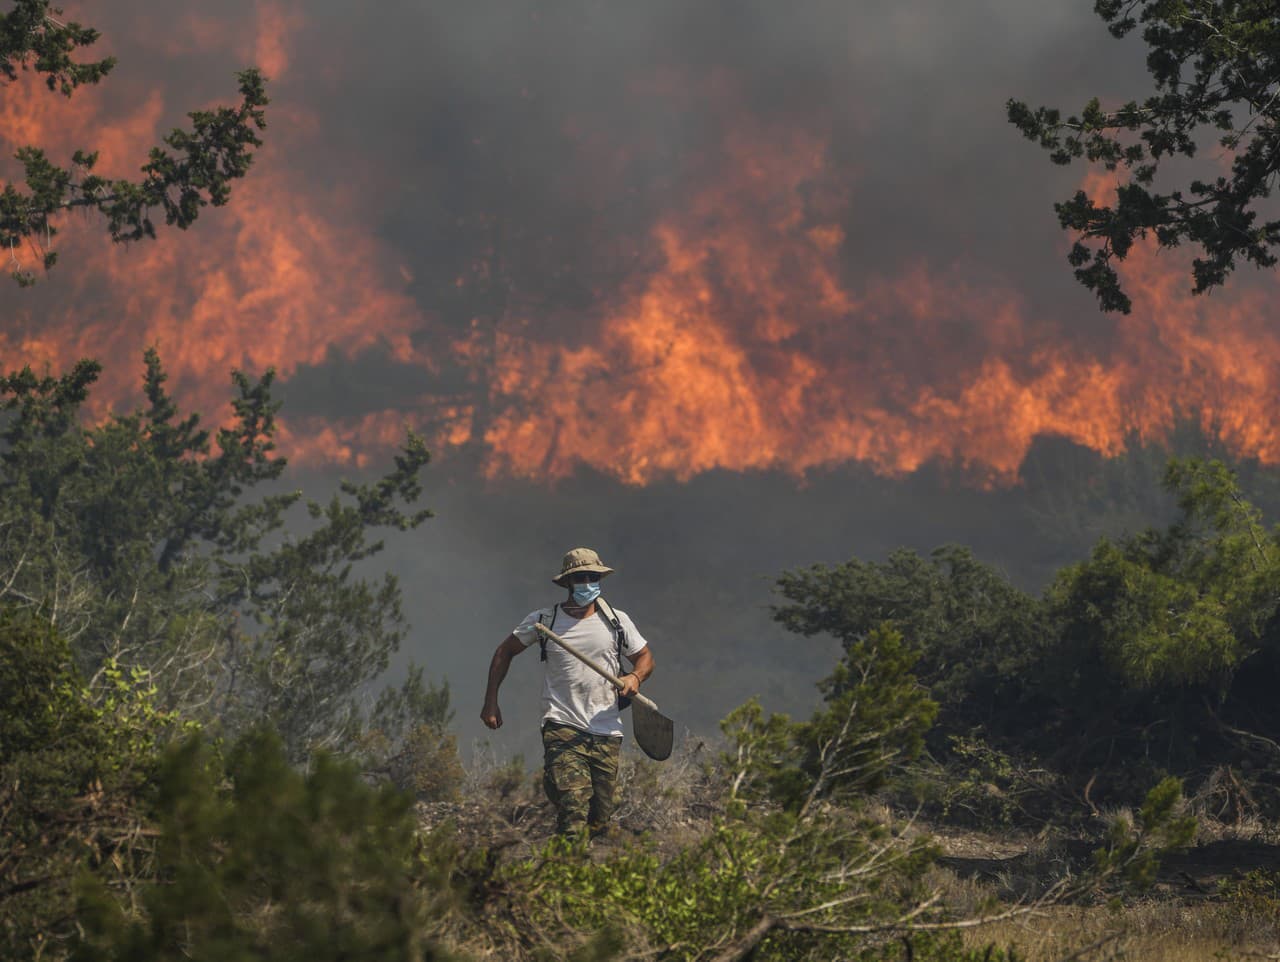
{"points": [[609, 676]]}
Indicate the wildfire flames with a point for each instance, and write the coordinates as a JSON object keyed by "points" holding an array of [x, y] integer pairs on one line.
{"points": [[744, 343]]}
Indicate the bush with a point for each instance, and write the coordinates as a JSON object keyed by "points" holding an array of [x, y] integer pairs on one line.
{"points": [[428, 767], [258, 860], [74, 770], [1158, 654]]}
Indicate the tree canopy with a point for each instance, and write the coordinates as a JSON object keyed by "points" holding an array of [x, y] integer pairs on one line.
{"points": [[146, 541], [972, 632], [1157, 654], [193, 169], [1216, 70]]}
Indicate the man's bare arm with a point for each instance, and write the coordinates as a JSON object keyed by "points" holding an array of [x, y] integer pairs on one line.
{"points": [[491, 714], [642, 667]]}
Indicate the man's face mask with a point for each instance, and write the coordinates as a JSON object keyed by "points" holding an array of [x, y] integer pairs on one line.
{"points": [[586, 593]]}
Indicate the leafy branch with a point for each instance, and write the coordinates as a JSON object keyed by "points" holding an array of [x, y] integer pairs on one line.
{"points": [[1215, 66], [193, 169]]}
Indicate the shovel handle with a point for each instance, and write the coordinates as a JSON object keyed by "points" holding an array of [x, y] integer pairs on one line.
{"points": [[609, 676]]}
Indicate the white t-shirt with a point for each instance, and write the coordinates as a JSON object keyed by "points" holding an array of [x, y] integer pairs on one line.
{"points": [[573, 694]]}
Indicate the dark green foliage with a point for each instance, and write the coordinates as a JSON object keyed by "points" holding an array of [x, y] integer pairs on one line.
{"points": [[873, 721], [1159, 653], [258, 860], [192, 856], [72, 767], [974, 633], [195, 170], [146, 540], [1147, 628], [1166, 634], [875, 718], [1213, 63], [31, 38]]}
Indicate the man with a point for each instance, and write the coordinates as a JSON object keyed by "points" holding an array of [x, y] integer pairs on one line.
{"points": [[581, 720]]}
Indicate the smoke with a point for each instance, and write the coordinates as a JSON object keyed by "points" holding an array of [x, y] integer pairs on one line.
{"points": [[716, 288]]}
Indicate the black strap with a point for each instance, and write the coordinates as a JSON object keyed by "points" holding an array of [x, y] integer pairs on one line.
{"points": [[542, 639], [605, 611]]}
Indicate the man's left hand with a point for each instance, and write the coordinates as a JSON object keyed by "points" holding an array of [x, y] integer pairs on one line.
{"points": [[630, 684]]}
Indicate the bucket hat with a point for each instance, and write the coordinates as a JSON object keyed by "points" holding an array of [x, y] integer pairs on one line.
{"points": [[581, 559]]}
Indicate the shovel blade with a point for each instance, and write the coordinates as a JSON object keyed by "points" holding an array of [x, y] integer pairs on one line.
{"points": [[654, 732]]}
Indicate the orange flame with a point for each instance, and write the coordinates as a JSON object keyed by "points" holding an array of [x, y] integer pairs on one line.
{"points": [[751, 346], [272, 280], [748, 351]]}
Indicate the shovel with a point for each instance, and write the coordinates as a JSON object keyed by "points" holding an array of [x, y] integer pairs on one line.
{"points": [[654, 731]]}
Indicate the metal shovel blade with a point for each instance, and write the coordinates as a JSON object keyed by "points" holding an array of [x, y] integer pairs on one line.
{"points": [[654, 732]]}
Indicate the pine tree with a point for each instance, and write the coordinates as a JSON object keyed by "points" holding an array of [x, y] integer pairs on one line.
{"points": [[1214, 64], [192, 170]]}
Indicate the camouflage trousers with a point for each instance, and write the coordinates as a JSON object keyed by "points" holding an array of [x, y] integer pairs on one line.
{"points": [[580, 771]]}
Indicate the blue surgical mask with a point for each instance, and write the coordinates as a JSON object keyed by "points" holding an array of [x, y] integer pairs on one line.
{"points": [[587, 593]]}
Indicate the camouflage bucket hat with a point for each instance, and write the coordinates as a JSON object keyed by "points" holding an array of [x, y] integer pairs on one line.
{"points": [[581, 559]]}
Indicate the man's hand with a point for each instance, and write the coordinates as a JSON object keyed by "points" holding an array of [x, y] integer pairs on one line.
{"points": [[491, 715], [630, 684]]}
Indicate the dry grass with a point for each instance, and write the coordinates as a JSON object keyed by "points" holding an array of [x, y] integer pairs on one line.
{"points": [[1220, 900], [1225, 808], [1173, 924], [1154, 931]]}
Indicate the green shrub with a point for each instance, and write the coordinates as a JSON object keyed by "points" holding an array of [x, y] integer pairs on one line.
{"points": [[259, 860], [1157, 654], [74, 771], [980, 785]]}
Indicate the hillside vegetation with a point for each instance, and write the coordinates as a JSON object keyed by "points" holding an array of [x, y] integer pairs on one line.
{"points": [[193, 765]]}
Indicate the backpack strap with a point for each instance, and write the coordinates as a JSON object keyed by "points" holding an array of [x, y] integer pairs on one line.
{"points": [[610, 617], [605, 611], [548, 622]]}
